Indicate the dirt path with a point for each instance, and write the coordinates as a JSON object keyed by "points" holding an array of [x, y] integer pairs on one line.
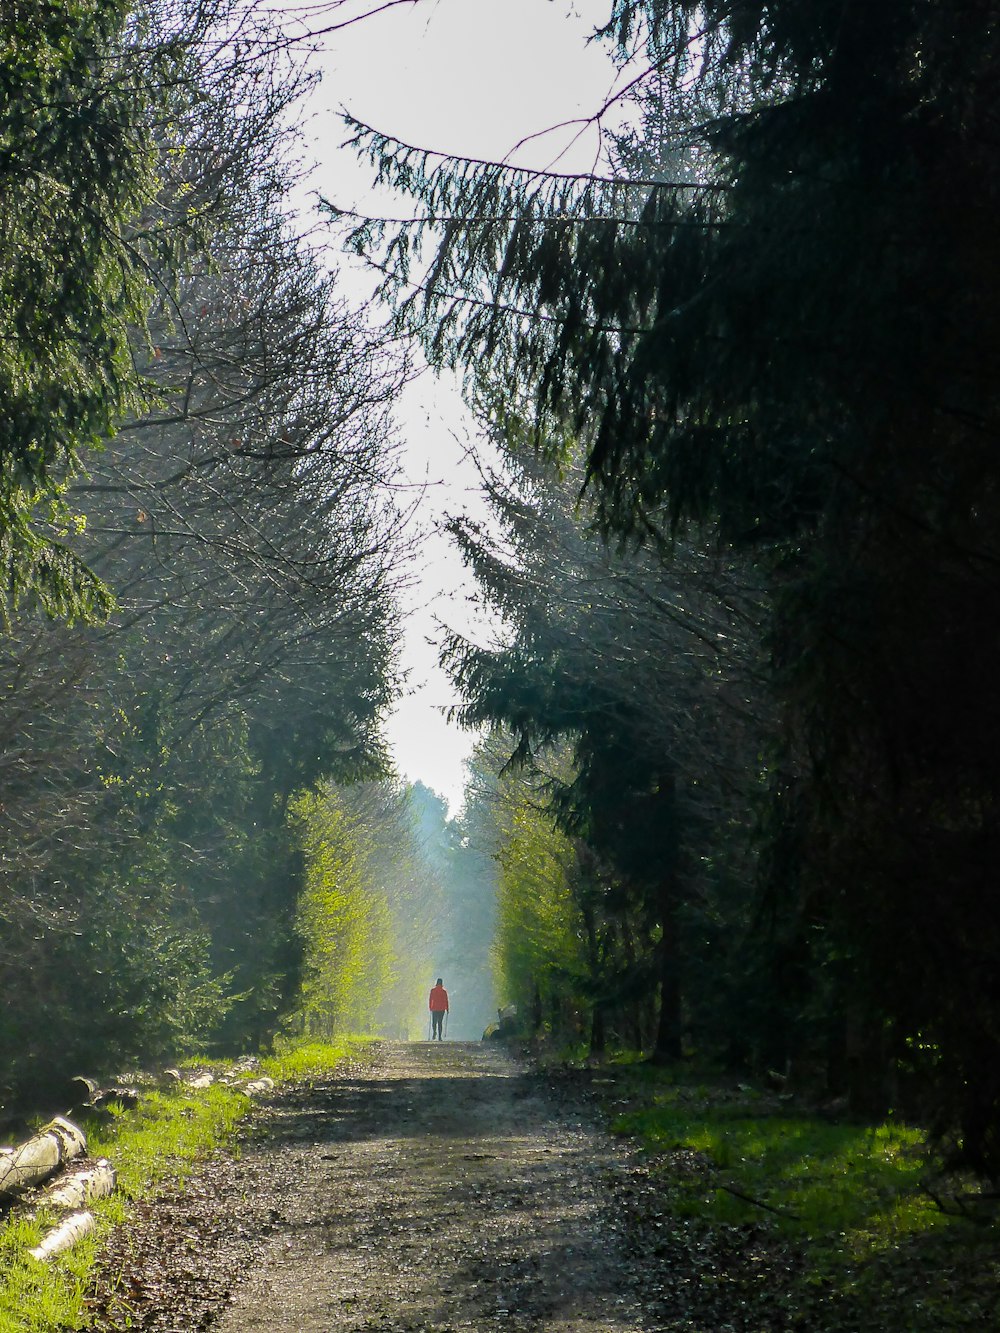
{"points": [[443, 1187]]}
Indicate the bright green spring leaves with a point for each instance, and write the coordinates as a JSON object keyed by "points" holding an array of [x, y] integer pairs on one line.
{"points": [[369, 915], [343, 917], [540, 941]]}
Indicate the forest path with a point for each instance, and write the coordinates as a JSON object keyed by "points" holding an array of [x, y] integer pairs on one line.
{"points": [[431, 1187], [442, 1187]]}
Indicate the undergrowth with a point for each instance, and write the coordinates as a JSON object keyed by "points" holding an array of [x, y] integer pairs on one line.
{"points": [[304, 1062], [872, 1249]]}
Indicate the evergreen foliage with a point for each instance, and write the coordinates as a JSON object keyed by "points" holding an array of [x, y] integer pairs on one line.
{"points": [[793, 340], [641, 670], [83, 86]]}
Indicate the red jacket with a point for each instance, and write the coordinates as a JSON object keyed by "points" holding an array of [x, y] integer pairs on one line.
{"points": [[438, 1003]]}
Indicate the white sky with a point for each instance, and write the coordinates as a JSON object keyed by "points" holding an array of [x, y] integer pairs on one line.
{"points": [[470, 77]]}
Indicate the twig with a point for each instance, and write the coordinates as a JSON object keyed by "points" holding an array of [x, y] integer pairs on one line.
{"points": [[759, 1203]]}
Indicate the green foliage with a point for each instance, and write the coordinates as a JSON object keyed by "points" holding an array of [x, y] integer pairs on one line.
{"points": [[343, 919], [77, 165], [540, 947], [614, 690], [835, 1214], [240, 511], [393, 895]]}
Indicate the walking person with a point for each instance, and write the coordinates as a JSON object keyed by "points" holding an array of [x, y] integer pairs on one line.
{"points": [[438, 1005]]}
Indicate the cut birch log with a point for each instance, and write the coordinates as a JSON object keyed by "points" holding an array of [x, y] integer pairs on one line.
{"points": [[34, 1161], [64, 1236], [259, 1085], [82, 1186], [118, 1095]]}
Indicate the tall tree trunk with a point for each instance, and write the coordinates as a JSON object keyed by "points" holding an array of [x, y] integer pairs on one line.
{"points": [[597, 1031], [633, 1013], [536, 1010], [669, 1024]]}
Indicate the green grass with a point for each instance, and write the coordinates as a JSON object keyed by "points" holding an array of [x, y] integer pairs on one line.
{"points": [[307, 1061], [844, 1198], [817, 1176], [162, 1140]]}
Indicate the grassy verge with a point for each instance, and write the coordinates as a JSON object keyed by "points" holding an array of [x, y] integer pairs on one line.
{"points": [[832, 1214], [160, 1141], [306, 1062]]}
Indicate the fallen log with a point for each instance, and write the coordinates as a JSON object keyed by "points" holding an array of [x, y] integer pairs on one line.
{"points": [[118, 1097], [259, 1085], [37, 1159], [63, 1236], [76, 1190]]}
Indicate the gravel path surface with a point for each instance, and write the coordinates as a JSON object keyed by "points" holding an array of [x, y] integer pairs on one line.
{"points": [[441, 1187]]}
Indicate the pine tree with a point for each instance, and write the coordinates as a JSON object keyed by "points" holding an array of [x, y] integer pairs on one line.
{"points": [[636, 666], [799, 348]]}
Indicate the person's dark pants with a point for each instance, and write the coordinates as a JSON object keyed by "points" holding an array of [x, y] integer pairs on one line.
{"points": [[437, 1022]]}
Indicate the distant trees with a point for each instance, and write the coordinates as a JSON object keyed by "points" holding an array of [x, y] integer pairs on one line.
{"points": [[547, 955], [791, 342], [394, 895], [343, 918], [457, 852]]}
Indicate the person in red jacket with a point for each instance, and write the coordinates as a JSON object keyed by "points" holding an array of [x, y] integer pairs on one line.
{"points": [[438, 1005]]}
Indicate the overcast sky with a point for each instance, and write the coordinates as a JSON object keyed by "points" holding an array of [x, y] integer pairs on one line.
{"points": [[470, 77]]}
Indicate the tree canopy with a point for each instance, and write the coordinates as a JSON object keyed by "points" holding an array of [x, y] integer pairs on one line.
{"points": [[84, 87]]}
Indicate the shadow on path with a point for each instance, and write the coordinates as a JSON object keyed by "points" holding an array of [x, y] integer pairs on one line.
{"points": [[445, 1188]]}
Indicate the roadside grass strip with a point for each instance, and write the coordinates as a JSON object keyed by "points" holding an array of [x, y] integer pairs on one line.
{"points": [[309, 1061], [848, 1198], [159, 1141]]}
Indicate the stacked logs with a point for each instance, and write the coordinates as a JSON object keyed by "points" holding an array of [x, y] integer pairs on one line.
{"points": [[49, 1151], [40, 1157]]}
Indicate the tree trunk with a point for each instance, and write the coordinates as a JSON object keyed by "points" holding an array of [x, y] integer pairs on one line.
{"points": [[633, 1013], [37, 1159], [668, 1030], [597, 1038], [536, 1010]]}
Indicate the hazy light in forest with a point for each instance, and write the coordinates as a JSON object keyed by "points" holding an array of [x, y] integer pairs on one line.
{"points": [[470, 77]]}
